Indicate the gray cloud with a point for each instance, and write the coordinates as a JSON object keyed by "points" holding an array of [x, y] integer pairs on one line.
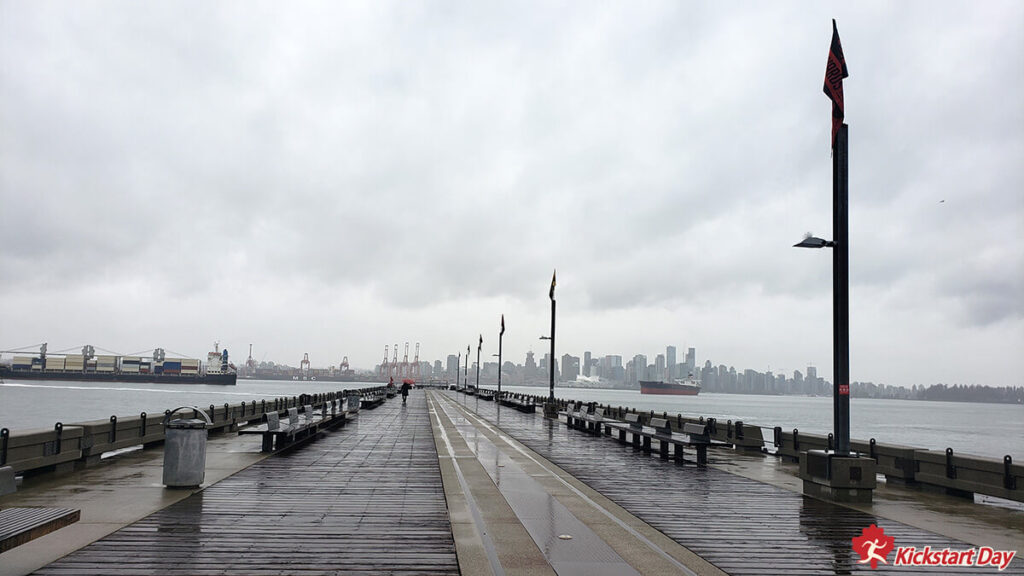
{"points": [[335, 177]]}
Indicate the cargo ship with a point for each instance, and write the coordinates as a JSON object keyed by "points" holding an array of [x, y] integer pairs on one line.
{"points": [[90, 367], [687, 387]]}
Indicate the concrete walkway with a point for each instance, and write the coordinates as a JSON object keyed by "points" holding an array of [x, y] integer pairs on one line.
{"points": [[514, 512]]}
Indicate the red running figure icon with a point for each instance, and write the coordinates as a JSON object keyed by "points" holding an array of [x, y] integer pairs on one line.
{"points": [[873, 546]]}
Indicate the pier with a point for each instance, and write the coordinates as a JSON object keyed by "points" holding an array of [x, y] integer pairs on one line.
{"points": [[452, 483]]}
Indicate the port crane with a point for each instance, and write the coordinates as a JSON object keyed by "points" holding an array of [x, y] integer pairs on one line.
{"points": [[416, 363], [383, 370], [404, 368]]}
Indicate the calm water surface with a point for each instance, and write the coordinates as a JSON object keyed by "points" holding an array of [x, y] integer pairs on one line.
{"points": [[983, 429], [41, 403]]}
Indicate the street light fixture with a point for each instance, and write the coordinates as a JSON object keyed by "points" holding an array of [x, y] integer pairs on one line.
{"points": [[814, 242]]}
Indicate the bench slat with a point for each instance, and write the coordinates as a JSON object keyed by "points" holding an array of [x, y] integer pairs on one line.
{"points": [[21, 525]]}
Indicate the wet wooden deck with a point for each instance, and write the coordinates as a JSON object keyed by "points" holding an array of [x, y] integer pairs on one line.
{"points": [[740, 525], [366, 499]]}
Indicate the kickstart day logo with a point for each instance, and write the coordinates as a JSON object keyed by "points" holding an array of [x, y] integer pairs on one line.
{"points": [[874, 546]]}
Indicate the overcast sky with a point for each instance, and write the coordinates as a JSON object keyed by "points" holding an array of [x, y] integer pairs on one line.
{"points": [[335, 177]]}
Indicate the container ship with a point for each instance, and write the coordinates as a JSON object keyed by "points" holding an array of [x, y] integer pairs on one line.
{"points": [[687, 387], [90, 367]]}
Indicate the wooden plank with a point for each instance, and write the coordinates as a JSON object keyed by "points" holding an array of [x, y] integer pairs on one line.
{"points": [[366, 499]]}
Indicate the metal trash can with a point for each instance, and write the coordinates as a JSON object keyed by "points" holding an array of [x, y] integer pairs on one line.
{"points": [[185, 450]]}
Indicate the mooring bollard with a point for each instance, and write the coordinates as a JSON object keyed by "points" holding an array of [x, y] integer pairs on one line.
{"points": [[58, 428]]}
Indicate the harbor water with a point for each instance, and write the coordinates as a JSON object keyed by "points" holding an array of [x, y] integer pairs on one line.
{"points": [[991, 430]]}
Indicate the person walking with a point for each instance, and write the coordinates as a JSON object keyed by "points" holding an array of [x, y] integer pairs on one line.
{"points": [[405, 391]]}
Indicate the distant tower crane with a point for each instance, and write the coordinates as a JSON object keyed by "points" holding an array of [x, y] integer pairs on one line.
{"points": [[250, 363], [304, 365], [416, 363], [383, 370], [344, 364], [404, 368]]}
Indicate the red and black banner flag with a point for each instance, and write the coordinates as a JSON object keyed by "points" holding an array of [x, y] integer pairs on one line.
{"points": [[835, 71], [551, 293], [502, 325]]}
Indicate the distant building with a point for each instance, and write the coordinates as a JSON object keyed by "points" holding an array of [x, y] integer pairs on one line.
{"points": [[570, 368], [638, 369], [586, 363], [530, 370], [453, 368], [670, 359]]}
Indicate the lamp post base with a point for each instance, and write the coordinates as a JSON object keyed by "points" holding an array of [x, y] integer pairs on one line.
{"points": [[829, 476]]}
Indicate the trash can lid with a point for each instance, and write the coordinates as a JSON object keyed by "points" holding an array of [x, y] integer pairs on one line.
{"points": [[187, 423]]}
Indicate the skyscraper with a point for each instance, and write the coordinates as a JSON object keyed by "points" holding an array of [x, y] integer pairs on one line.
{"points": [[453, 368], [670, 358], [586, 363], [691, 361], [570, 367]]}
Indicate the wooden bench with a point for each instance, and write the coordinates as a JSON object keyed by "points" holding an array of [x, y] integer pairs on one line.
{"points": [[659, 429], [520, 405], [485, 395], [589, 422], [277, 435], [569, 413], [372, 400], [630, 424], [21, 525]]}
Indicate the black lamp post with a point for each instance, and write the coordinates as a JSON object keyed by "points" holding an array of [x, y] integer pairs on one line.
{"points": [[457, 362], [551, 362], [478, 347], [501, 335], [465, 372], [841, 292]]}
